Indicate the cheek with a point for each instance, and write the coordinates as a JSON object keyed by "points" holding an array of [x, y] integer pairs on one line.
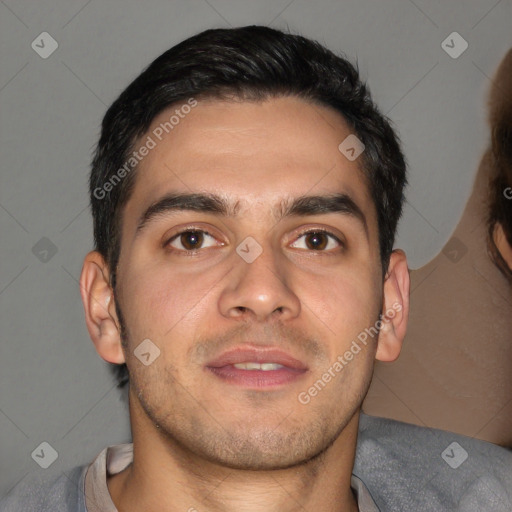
{"points": [[160, 301], [346, 303]]}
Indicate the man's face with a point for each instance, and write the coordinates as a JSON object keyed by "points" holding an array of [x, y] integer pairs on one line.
{"points": [[308, 295]]}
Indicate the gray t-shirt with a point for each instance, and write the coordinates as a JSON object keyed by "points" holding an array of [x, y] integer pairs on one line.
{"points": [[398, 467]]}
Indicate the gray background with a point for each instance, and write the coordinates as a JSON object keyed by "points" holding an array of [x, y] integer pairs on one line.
{"points": [[54, 387]]}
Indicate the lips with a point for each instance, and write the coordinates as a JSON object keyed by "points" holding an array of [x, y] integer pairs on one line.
{"points": [[273, 369], [257, 355]]}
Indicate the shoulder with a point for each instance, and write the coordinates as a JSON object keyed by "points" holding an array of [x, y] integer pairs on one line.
{"points": [[63, 493], [407, 467]]}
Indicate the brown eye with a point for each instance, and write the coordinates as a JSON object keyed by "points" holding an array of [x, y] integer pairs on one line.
{"points": [[316, 240], [319, 240], [189, 240]]}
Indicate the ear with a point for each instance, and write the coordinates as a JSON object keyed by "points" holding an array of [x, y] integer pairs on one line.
{"points": [[395, 308], [100, 315], [502, 244]]}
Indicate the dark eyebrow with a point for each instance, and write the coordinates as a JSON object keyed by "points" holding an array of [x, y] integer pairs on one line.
{"points": [[318, 205], [218, 205]]}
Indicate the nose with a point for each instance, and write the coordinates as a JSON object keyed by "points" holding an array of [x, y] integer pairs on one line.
{"points": [[260, 289]]}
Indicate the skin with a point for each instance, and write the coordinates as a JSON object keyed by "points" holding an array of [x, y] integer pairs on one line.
{"points": [[503, 246], [198, 441]]}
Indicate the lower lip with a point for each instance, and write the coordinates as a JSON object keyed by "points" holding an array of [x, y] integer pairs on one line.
{"points": [[257, 378]]}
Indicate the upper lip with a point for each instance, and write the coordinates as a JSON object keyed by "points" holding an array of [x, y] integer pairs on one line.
{"points": [[257, 355]]}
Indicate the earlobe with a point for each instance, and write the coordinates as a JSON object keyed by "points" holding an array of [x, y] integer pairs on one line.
{"points": [[395, 309], [502, 244], [100, 316]]}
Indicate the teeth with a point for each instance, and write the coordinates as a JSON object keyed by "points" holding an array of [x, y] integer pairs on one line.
{"points": [[257, 366]]}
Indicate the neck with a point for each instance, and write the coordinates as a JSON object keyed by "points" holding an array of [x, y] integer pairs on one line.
{"points": [[166, 476]]}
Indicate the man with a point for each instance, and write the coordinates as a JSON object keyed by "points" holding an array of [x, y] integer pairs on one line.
{"points": [[245, 195]]}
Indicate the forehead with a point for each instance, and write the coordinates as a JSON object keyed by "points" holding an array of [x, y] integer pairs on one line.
{"points": [[256, 153]]}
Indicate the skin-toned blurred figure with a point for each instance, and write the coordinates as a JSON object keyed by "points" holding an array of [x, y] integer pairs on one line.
{"points": [[500, 210], [455, 368]]}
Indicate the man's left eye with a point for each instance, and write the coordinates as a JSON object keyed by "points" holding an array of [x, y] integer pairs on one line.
{"points": [[319, 240]]}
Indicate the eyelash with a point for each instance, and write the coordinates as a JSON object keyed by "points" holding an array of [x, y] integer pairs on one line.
{"points": [[194, 230]]}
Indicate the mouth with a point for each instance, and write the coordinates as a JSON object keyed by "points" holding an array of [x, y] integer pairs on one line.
{"points": [[257, 367]]}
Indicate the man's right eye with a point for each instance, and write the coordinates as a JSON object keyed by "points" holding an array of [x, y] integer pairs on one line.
{"points": [[188, 240]]}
